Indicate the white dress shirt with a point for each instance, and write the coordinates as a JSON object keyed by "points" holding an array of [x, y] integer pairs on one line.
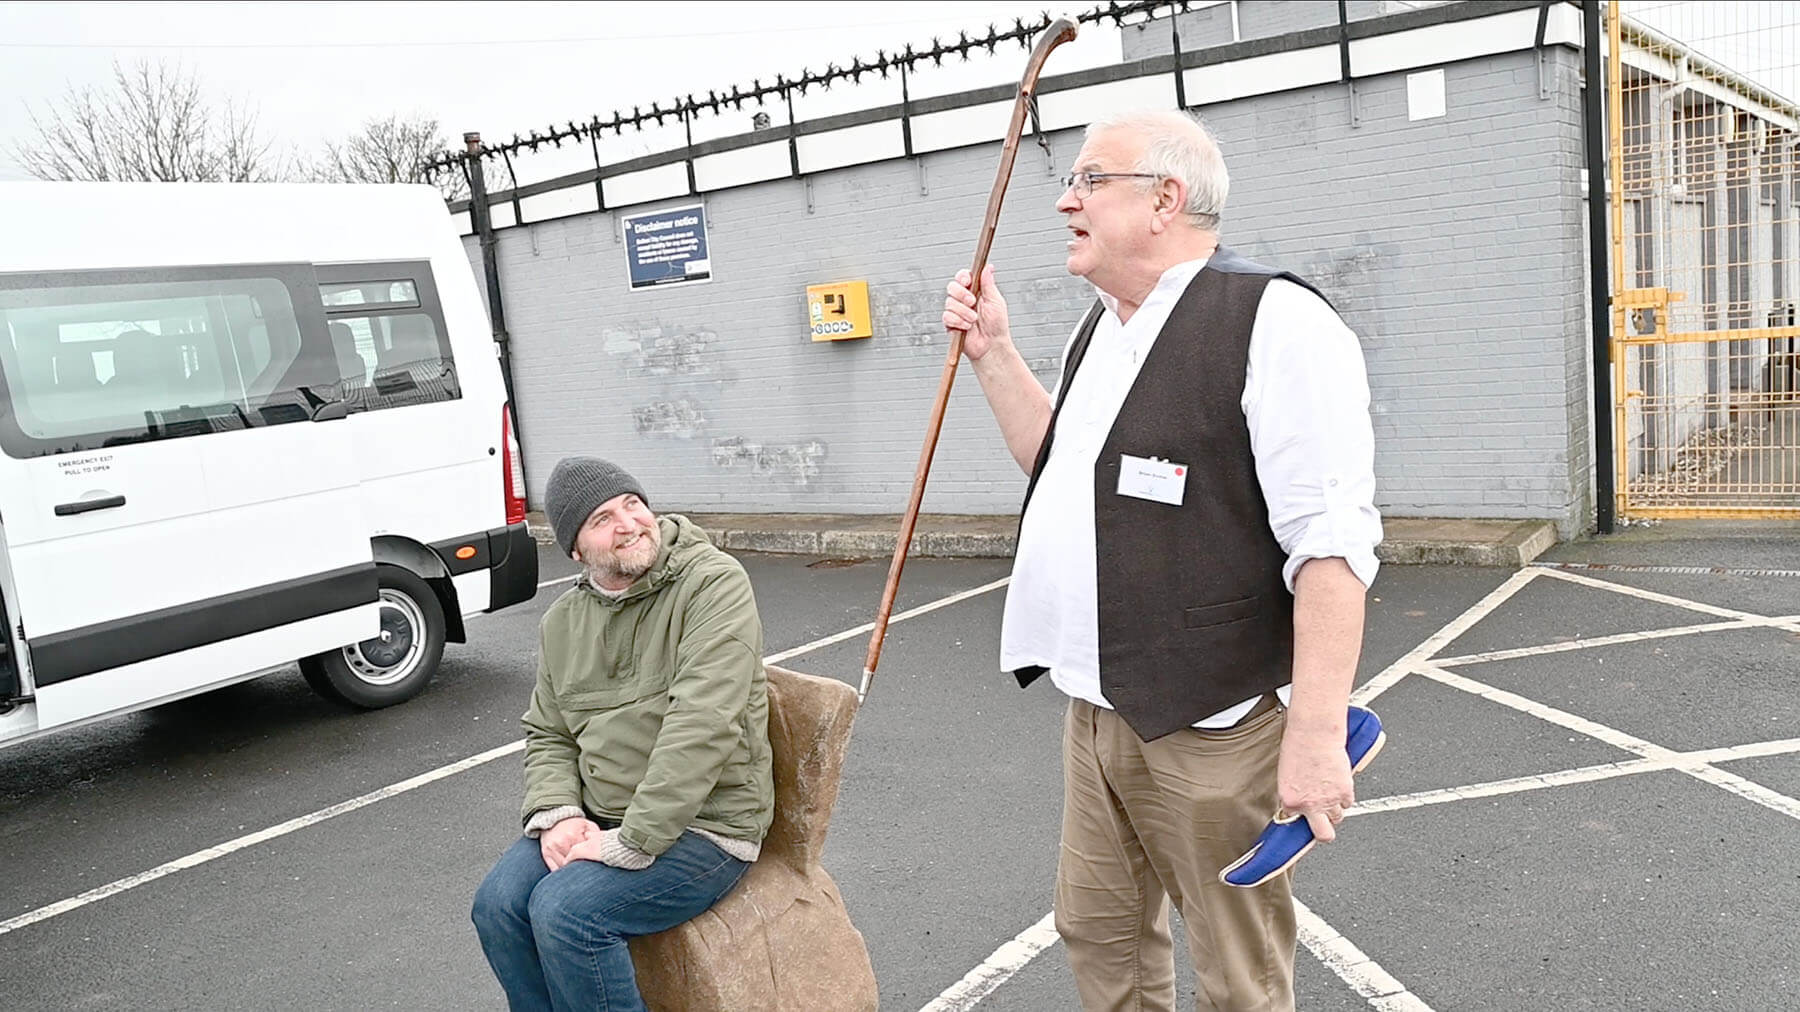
{"points": [[1306, 404]]}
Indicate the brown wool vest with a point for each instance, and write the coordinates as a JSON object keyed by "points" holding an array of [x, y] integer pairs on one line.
{"points": [[1193, 613]]}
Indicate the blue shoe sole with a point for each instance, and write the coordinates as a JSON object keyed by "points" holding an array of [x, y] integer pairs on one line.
{"points": [[1288, 838]]}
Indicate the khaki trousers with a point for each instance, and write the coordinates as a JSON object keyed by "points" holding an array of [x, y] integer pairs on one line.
{"points": [[1149, 822]]}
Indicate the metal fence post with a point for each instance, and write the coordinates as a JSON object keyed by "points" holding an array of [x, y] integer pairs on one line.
{"points": [[1175, 42], [490, 266], [1599, 280]]}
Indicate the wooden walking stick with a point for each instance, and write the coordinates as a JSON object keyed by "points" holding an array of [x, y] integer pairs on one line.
{"points": [[1055, 34]]}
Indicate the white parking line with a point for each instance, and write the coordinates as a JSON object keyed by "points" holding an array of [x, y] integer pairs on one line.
{"points": [[1339, 954], [1342, 957], [994, 971], [1542, 711], [1579, 775], [942, 602], [1748, 790], [1393, 673], [1679, 602], [1347, 961], [201, 857], [1597, 641]]}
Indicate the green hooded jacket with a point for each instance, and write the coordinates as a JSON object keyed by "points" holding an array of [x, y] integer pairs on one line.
{"points": [[653, 709]]}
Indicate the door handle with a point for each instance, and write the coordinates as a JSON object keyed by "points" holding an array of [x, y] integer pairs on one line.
{"points": [[69, 509]]}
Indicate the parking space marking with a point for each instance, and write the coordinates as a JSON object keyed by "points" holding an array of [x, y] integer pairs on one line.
{"points": [[1679, 602], [1007, 960], [1603, 641], [1393, 673], [1649, 756], [1671, 570], [1543, 711], [201, 857], [1342, 957], [1578, 775], [1746, 789], [942, 602], [1749, 790]]}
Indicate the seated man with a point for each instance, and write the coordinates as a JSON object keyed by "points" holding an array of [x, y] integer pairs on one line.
{"points": [[648, 788]]}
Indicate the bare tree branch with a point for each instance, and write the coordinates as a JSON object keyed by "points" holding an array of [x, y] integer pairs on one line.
{"points": [[392, 149], [155, 124], [245, 155]]}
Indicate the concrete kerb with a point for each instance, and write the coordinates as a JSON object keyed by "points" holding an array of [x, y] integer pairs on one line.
{"points": [[864, 543], [1409, 541], [1505, 543]]}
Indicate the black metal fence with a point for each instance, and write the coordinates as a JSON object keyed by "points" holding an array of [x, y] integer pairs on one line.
{"points": [[685, 109]]}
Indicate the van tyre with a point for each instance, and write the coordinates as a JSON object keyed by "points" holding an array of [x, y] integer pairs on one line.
{"points": [[396, 664]]}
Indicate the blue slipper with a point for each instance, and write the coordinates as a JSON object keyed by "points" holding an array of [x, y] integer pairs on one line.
{"points": [[1289, 836]]}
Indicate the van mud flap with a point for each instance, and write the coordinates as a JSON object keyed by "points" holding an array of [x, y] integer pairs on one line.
{"points": [[514, 568]]}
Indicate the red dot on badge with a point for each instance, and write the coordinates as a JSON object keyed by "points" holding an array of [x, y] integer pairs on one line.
{"points": [[1180, 471]]}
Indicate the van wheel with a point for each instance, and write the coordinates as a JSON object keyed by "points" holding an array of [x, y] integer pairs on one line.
{"points": [[397, 663]]}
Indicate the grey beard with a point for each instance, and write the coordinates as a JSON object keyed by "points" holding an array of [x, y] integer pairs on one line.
{"points": [[613, 569], [607, 571]]}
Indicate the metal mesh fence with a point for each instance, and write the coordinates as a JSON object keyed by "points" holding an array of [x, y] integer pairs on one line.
{"points": [[1705, 272]]}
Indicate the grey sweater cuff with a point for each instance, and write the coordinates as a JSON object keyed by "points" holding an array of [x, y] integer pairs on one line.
{"points": [[544, 818], [619, 854]]}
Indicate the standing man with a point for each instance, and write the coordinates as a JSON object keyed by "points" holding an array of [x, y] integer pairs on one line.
{"points": [[648, 786], [1196, 543]]}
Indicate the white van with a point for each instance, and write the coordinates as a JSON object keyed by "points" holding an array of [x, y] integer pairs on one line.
{"points": [[241, 426]]}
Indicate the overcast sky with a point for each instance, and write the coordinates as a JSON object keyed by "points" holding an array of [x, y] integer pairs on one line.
{"points": [[317, 70]]}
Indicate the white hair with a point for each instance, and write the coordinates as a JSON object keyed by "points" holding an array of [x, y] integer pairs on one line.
{"points": [[1178, 146]]}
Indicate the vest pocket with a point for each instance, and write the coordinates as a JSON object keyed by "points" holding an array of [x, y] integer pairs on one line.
{"points": [[1220, 614]]}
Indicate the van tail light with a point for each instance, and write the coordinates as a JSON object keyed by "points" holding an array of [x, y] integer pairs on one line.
{"points": [[512, 474]]}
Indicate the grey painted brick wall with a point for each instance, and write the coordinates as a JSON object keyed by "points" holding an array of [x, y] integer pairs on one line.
{"points": [[1453, 248], [1200, 29], [1262, 19], [1257, 19], [1451, 245]]}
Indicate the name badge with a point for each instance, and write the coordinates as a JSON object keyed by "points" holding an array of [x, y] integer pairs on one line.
{"points": [[1152, 478]]}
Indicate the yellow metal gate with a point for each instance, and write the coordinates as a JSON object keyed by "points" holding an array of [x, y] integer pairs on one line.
{"points": [[1705, 356]]}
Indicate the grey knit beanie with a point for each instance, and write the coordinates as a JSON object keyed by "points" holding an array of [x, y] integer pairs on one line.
{"points": [[577, 487]]}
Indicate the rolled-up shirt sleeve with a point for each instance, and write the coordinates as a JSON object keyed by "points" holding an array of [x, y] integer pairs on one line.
{"points": [[1306, 403]]}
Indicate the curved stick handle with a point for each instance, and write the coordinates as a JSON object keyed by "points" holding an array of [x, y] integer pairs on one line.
{"points": [[1055, 34]]}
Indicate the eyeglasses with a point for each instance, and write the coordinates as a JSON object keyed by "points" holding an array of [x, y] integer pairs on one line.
{"points": [[1083, 182]]}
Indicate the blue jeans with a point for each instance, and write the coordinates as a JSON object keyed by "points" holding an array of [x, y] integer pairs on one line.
{"points": [[557, 941]]}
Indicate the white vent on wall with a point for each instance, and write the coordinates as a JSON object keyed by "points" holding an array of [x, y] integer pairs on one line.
{"points": [[1425, 95]]}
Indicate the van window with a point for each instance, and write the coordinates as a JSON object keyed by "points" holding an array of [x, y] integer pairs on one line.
{"points": [[387, 331], [386, 294], [104, 358]]}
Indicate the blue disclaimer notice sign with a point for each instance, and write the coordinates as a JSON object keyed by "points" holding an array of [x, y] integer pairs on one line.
{"points": [[667, 247]]}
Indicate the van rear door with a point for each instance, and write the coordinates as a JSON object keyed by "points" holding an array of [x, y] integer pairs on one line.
{"points": [[180, 510]]}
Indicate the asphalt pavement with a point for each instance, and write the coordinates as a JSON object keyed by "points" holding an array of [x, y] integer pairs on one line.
{"points": [[1586, 802]]}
